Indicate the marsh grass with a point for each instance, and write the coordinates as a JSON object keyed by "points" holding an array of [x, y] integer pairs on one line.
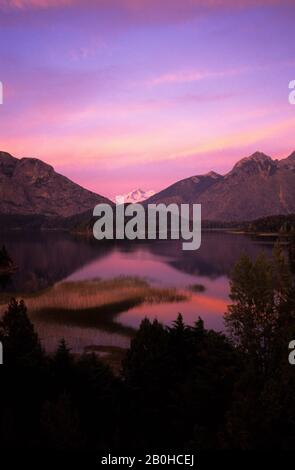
{"points": [[95, 303]]}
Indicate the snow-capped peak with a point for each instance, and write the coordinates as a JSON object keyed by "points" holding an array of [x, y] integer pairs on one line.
{"points": [[137, 195]]}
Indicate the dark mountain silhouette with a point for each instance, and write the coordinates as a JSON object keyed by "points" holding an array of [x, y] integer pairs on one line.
{"points": [[30, 187], [34, 196], [289, 161], [257, 186], [187, 190]]}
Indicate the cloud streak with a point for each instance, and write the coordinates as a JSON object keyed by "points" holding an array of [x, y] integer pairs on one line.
{"points": [[192, 76], [140, 5], [34, 4]]}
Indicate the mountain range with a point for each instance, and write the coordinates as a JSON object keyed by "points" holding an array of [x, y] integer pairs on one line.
{"points": [[34, 195], [257, 186], [29, 186]]}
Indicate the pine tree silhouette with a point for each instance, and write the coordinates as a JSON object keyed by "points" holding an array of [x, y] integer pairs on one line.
{"points": [[18, 336], [5, 260]]}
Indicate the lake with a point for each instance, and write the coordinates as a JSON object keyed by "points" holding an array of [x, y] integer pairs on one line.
{"points": [[96, 293]]}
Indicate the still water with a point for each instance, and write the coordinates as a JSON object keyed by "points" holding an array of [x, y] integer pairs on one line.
{"points": [[67, 283]]}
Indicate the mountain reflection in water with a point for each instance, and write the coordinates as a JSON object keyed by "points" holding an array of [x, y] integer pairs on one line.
{"points": [[50, 262]]}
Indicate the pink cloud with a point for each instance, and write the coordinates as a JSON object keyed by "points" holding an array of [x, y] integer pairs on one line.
{"points": [[191, 76], [23, 4], [141, 5], [116, 15]]}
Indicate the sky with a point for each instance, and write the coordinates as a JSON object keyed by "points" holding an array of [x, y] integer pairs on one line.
{"points": [[125, 94]]}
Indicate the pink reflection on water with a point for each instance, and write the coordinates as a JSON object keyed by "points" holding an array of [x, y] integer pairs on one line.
{"points": [[210, 309], [210, 304], [138, 263]]}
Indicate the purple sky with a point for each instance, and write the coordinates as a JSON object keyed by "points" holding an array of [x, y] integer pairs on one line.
{"points": [[120, 94]]}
